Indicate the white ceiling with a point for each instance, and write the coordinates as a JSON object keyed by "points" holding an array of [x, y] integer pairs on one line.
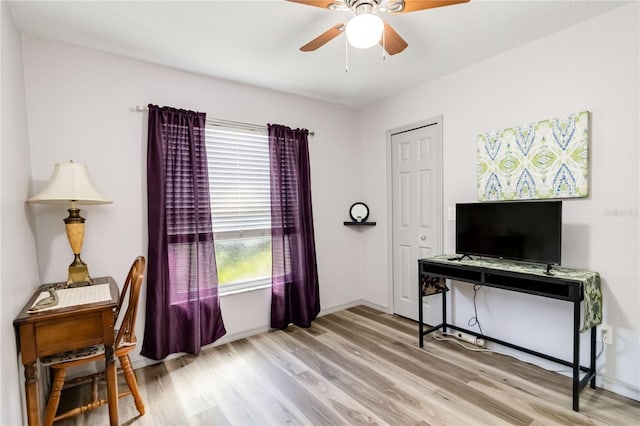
{"points": [[256, 42]]}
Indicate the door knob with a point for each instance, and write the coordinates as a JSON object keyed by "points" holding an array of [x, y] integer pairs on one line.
{"points": [[423, 238]]}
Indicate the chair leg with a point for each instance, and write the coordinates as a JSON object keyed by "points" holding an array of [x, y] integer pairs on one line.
{"points": [[130, 377], [94, 388], [54, 397]]}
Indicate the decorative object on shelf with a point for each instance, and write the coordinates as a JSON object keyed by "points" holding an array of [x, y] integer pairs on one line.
{"points": [[359, 212], [547, 159], [70, 184]]}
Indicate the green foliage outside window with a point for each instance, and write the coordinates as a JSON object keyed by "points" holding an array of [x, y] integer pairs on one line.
{"points": [[243, 259]]}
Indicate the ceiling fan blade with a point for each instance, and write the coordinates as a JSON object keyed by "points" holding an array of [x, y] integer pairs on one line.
{"points": [[413, 5], [393, 43], [317, 3], [323, 38]]}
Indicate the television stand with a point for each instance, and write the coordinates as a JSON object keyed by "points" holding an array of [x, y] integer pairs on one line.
{"points": [[571, 285]]}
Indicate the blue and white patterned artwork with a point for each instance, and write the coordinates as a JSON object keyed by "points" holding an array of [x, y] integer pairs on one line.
{"points": [[547, 159]]}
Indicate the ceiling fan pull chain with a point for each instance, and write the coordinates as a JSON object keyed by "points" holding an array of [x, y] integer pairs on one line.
{"points": [[346, 55], [384, 45]]}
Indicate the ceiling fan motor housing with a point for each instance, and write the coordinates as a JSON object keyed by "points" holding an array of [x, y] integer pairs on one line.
{"points": [[365, 8], [354, 4], [369, 6]]}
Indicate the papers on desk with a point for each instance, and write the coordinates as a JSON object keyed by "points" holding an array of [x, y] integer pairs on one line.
{"points": [[74, 297]]}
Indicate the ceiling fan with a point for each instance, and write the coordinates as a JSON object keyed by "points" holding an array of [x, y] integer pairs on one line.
{"points": [[366, 29]]}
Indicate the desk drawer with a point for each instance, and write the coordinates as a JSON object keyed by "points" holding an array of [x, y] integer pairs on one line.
{"points": [[61, 335]]}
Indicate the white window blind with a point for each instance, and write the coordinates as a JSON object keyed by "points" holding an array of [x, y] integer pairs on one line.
{"points": [[238, 180]]}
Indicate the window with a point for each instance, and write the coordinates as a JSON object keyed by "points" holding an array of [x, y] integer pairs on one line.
{"points": [[239, 189]]}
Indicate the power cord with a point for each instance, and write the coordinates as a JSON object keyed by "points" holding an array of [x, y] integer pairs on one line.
{"points": [[473, 321], [602, 334]]}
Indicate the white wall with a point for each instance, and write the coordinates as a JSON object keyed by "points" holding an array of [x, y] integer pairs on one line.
{"points": [[18, 264], [592, 66], [81, 106]]}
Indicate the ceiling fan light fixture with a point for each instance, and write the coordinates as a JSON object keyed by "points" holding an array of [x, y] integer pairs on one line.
{"points": [[364, 30]]}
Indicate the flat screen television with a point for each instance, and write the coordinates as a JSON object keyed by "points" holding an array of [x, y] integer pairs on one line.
{"points": [[529, 231]]}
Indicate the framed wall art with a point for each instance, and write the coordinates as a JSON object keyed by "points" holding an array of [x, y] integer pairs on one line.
{"points": [[546, 159]]}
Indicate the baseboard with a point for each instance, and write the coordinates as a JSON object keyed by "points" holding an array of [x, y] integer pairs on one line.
{"points": [[618, 387], [385, 309], [338, 308]]}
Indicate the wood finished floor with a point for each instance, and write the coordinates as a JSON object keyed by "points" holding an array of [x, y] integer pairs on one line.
{"points": [[356, 367]]}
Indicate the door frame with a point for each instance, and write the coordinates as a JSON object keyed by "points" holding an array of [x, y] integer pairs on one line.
{"points": [[438, 120]]}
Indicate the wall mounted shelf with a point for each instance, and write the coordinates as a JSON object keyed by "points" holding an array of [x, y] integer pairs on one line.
{"points": [[359, 224]]}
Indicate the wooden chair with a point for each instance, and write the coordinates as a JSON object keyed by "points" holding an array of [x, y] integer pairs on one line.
{"points": [[125, 342]]}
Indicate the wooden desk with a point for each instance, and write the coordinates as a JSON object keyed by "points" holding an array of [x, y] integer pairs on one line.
{"points": [[65, 329]]}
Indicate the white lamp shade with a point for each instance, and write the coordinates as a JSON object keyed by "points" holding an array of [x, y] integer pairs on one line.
{"points": [[69, 182], [364, 31]]}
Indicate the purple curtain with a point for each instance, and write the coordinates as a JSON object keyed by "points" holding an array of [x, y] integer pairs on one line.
{"points": [[183, 309], [295, 295]]}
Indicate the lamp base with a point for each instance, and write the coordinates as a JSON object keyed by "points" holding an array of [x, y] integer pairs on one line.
{"points": [[74, 224], [78, 272]]}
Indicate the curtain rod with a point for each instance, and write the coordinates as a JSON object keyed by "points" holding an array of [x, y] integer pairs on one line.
{"points": [[227, 123]]}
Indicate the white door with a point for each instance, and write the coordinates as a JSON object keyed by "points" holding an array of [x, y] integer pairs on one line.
{"points": [[416, 156]]}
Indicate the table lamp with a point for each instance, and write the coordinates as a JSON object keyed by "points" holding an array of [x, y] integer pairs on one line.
{"points": [[70, 183]]}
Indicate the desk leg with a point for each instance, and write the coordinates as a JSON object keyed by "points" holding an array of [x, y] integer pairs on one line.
{"points": [[576, 356], [30, 363], [420, 315], [592, 365], [31, 391], [444, 311], [112, 385]]}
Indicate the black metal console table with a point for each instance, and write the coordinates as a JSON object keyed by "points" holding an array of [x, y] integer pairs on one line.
{"points": [[566, 284]]}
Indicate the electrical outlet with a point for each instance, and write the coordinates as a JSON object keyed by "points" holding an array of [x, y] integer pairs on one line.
{"points": [[606, 333]]}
